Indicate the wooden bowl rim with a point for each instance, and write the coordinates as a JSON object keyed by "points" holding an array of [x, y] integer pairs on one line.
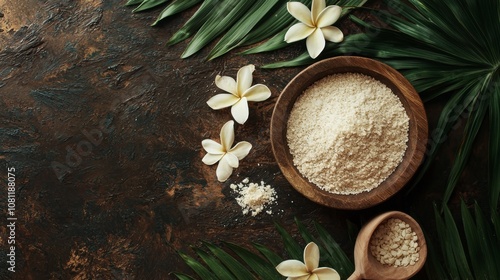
{"points": [[417, 133]]}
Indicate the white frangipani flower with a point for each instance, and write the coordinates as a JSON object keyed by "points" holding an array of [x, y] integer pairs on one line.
{"points": [[297, 270], [224, 152], [315, 25], [239, 93]]}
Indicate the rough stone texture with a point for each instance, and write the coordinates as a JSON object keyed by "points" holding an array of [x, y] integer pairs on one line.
{"points": [[124, 206]]}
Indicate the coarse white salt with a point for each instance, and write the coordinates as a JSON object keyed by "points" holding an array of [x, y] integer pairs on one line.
{"points": [[347, 133], [254, 197]]}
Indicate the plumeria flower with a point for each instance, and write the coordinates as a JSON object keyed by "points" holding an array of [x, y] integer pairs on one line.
{"points": [[315, 25], [224, 153], [297, 270], [239, 93]]}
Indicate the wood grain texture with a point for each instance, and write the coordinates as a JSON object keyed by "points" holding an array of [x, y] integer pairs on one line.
{"points": [[398, 84], [143, 194], [367, 266]]}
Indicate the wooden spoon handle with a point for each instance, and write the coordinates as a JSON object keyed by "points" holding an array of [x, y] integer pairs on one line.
{"points": [[355, 276]]}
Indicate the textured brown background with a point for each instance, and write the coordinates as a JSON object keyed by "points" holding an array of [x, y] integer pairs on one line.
{"points": [[123, 210]]}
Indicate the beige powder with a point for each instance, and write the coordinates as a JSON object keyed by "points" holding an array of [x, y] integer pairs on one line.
{"points": [[254, 197], [347, 133]]}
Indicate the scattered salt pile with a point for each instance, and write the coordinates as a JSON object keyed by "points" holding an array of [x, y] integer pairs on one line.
{"points": [[254, 197]]}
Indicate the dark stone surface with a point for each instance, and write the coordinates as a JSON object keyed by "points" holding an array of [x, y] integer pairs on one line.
{"points": [[103, 124]]}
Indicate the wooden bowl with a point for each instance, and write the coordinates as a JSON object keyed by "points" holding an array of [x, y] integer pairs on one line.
{"points": [[367, 266], [417, 138]]}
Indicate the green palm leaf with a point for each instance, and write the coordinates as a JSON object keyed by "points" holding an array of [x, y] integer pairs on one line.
{"points": [[133, 2], [336, 256], [488, 245], [218, 269], [237, 262], [148, 4], [197, 267], [270, 256], [240, 271], [262, 268], [479, 261], [452, 249], [175, 7], [494, 94], [234, 35], [228, 12], [478, 112], [276, 22], [195, 22], [294, 250]]}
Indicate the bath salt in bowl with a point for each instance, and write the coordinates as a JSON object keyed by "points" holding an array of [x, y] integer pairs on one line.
{"points": [[348, 132]]}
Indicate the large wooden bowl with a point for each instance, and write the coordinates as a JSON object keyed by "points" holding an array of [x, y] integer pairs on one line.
{"points": [[385, 74]]}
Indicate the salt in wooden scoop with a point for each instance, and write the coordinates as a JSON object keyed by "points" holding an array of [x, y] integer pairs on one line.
{"points": [[368, 267]]}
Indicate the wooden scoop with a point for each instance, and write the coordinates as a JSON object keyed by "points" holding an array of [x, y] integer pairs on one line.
{"points": [[367, 266]]}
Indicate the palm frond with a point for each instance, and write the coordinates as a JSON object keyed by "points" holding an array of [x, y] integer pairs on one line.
{"points": [[228, 13], [133, 2], [478, 112], [194, 23], [335, 256], [148, 4], [197, 267], [494, 94], [237, 262], [276, 22], [452, 251], [218, 269], [175, 7], [240, 23], [480, 259], [263, 269], [241, 28]]}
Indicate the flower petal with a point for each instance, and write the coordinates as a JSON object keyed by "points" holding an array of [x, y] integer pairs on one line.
{"points": [[326, 273], [224, 170], [240, 111], [314, 277], [227, 136], [226, 83], [298, 32], [332, 34], [241, 149], [210, 159], [244, 78], [316, 7], [300, 11], [232, 160], [292, 268], [328, 16], [315, 43], [311, 256], [212, 147], [257, 93], [222, 100], [305, 277]]}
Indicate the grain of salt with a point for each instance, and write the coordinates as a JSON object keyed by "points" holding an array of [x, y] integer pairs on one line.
{"points": [[347, 133]]}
